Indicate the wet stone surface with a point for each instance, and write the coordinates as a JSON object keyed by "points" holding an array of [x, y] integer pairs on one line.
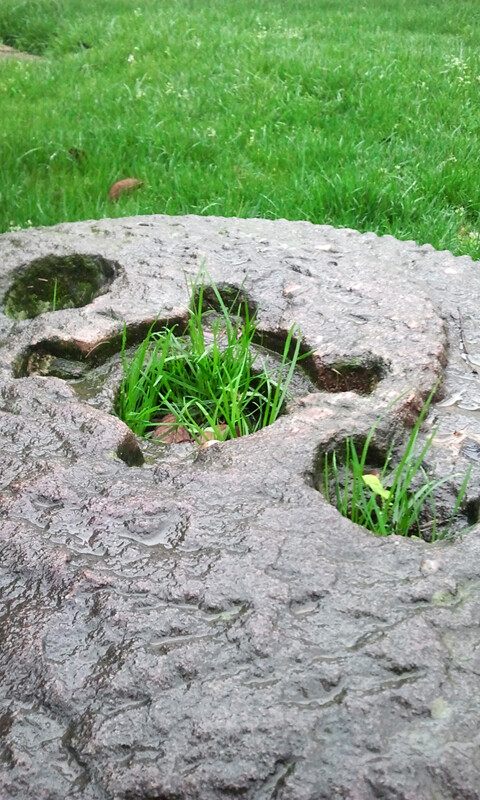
{"points": [[181, 623]]}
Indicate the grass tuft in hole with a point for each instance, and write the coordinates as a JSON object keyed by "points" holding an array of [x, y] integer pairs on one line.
{"points": [[398, 500], [207, 379]]}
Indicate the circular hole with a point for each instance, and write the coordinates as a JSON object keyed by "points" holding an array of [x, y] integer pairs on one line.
{"points": [[359, 373], [53, 282], [394, 491], [209, 380], [215, 393]]}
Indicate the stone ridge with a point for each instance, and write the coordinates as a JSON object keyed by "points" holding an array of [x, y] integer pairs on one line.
{"points": [[201, 624]]}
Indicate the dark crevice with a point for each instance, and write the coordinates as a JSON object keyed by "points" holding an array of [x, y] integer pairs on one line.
{"points": [[359, 374], [473, 511], [235, 299], [72, 360], [275, 341], [347, 377], [376, 456], [129, 451]]}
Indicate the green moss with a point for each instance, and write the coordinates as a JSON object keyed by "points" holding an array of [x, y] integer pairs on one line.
{"points": [[57, 282]]}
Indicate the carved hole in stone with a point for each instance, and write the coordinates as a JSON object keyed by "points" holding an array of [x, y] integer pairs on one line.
{"points": [[164, 425], [359, 374], [56, 282], [204, 420], [232, 296], [473, 511], [72, 360], [445, 496], [129, 452], [375, 460]]}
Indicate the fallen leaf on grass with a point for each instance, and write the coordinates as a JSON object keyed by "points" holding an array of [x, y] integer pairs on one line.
{"points": [[124, 187]]}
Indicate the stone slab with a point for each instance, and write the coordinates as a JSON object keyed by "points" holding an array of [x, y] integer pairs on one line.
{"points": [[183, 623]]}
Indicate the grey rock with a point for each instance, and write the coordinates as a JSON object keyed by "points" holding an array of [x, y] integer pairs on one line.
{"points": [[181, 623], [12, 52]]}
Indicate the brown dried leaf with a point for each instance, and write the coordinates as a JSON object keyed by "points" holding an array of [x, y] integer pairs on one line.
{"points": [[168, 419], [168, 432], [123, 187]]}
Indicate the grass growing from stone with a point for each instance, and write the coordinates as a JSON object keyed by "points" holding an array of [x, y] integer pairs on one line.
{"points": [[54, 297], [363, 115], [207, 381], [398, 500]]}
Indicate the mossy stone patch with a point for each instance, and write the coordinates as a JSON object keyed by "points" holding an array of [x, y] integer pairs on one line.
{"points": [[53, 282]]}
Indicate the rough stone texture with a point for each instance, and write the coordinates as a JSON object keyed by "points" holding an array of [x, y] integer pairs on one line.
{"points": [[203, 625]]}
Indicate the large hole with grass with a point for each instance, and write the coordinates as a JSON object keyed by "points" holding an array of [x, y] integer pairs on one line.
{"points": [[208, 374], [207, 381], [54, 282], [395, 491]]}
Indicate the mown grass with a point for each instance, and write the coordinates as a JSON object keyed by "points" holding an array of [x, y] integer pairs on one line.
{"points": [[363, 115]]}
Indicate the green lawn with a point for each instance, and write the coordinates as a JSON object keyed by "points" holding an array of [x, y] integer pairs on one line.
{"points": [[358, 113]]}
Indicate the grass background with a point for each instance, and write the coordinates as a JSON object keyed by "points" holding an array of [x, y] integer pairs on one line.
{"points": [[358, 113]]}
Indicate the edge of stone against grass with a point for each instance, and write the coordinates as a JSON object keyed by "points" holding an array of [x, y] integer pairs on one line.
{"points": [[357, 115]]}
